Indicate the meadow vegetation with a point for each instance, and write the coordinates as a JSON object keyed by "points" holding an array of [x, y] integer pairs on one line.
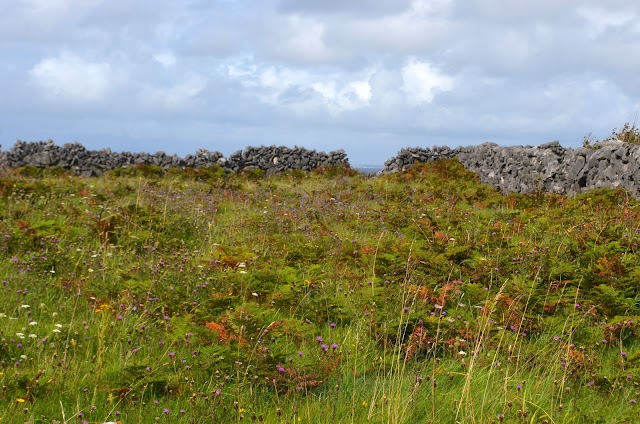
{"points": [[196, 296]]}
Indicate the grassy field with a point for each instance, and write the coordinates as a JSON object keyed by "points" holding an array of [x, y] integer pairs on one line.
{"points": [[192, 296]]}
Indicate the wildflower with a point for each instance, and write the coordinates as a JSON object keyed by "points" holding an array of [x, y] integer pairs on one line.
{"points": [[171, 354], [319, 339], [591, 383], [33, 323], [623, 354], [519, 387], [633, 401], [25, 306], [324, 347], [332, 325], [20, 400], [300, 354], [21, 335], [280, 369], [334, 346], [166, 411]]}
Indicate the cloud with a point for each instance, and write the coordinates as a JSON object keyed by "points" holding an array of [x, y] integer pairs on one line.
{"points": [[166, 59], [301, 91], [70, 77], [421, 82], [180, 95], [599, 20], [296, 39]]}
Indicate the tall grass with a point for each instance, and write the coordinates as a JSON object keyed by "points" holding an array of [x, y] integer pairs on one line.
{"points": [[425, 296]]}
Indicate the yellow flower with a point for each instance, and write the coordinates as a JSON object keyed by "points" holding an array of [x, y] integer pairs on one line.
{"points": [[20, 400], [364, 403], [104, 307]]}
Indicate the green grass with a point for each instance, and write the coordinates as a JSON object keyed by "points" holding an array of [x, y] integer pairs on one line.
{"points": [[198, 297]]}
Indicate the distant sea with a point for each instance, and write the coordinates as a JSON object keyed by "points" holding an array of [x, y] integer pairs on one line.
{"points": [[368, 169]]}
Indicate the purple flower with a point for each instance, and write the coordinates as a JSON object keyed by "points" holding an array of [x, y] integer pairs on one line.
{"points": [[166, 411], [324, 347], [623, 354], [519, 387], [171, 354], [280, 369], [633, 401], [300, 354], [319, 339], [334, 346], [591, 383], [332, 325]]}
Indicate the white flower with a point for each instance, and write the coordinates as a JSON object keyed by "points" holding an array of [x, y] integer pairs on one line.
{"points": [[3, 315], [21, 335], [25, 306], [33, 323], [59, 325], [33, 336], [23, 357]]}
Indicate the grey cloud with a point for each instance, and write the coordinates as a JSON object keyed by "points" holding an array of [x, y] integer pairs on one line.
{"points": [[352, 7]]}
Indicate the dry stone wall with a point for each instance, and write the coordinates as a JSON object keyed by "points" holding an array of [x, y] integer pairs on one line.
{"points": [[548, 167], [89, 163]]}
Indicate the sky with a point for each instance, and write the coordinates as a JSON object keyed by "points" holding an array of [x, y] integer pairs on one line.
{"points": [[367, 76]]}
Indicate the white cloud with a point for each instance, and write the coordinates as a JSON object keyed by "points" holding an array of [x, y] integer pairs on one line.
{"points": [[179, 95], [302, 91], [599, 19], [421, 82], [73, 78], [298, 39], [351, 96], [166, 59]]}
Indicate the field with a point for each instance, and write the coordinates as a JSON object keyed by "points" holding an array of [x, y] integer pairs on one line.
{"points": [[195, 296]]}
